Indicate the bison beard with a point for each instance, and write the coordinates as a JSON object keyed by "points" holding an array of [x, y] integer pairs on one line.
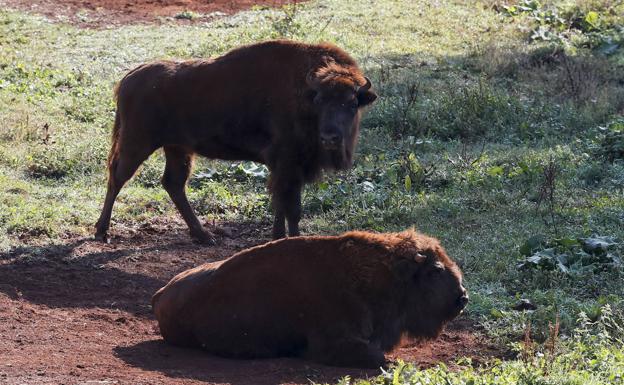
{"points": [[294, 107], [341, 301]]}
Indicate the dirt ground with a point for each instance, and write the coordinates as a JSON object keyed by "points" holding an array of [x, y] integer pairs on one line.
{"points": [[105, 13], [79, 313]]}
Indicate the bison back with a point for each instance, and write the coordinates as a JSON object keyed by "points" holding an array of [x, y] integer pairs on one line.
{"points": [[269, 301]]}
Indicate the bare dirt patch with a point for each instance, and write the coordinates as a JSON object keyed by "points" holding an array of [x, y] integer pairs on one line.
{"points": [[103, 13], [79, 313]]}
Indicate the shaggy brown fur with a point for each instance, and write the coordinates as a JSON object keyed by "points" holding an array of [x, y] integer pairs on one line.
{"points": [[295, 107], [342, 300]]}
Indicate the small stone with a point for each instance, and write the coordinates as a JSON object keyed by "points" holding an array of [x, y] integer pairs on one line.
{"points": [[524, 304]]}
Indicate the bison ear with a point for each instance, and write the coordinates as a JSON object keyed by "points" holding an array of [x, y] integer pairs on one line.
{"points": [[365, 95], [405, 268], [366, 98]]}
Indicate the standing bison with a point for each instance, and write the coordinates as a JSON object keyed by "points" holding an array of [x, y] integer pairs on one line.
{"points": [[292, 106], [340, 301]]}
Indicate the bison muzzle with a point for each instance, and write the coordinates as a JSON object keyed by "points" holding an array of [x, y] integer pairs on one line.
{"points": [[292, 106], [338, 300]]}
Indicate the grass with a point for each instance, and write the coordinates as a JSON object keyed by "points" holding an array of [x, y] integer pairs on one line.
{"points": [[474, 112]]}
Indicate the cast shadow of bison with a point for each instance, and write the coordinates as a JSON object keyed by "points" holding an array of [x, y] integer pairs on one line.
{"points": [[122, 275], [50, 276], [175, 362]]}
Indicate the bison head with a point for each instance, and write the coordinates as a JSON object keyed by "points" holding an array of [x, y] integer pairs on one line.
{"points": [[433, 290], [338, 94]]}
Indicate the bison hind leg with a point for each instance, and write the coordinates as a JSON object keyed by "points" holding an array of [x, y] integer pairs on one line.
{"points": [[177, 170], [177, 335], [122, 166]]}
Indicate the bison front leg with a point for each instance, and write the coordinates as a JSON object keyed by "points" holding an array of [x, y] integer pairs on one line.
{"points": [[286, 200], [177, 171]]}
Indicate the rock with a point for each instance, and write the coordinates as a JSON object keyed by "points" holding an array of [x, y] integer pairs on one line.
{"points": [[523, 305]]}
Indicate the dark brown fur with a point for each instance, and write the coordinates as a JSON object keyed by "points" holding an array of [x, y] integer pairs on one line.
{"points": [[294, 107], [341, 300]]}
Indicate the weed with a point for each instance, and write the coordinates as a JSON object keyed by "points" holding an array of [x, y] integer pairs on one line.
{"points": [[287, 25], [547, 195], [609, 142]]}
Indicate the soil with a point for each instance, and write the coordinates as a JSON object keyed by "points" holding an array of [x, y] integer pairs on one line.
{"points": [[78, 313], [105, 13]]}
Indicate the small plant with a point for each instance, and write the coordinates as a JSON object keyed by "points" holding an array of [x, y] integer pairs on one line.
{"points": [[547, 194], [404, 105], [572, 256], [287, 24], [527, 351], [609, 142], [240, 171], [465, 160], [410, 171], [551, 343]]}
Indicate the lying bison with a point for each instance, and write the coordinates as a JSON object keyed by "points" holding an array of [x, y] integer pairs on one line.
{"points": [[292, 106], [340, 301]]}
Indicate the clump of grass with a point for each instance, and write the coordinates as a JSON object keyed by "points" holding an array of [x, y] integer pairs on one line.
{"points": [[476, 112], [61, 159]]}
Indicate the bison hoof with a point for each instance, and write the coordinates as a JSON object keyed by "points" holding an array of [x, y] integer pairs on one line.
{"points": [[279, 234], [204, 238], [102, 237]]}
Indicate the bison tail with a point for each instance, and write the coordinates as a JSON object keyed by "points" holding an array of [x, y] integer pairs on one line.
{"points": [[115, 139], [156, 297]]}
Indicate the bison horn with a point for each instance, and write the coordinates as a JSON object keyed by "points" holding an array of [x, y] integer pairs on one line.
{"points": [[366, 86]]}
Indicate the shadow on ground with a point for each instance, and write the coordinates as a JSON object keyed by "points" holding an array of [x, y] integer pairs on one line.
{"points": [[121, 275], [174, 362]]}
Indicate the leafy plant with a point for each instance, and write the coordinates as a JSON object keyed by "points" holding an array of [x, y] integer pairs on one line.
{"points": [[609, 142], [239, 171], [572, 256], [598, 24]]}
